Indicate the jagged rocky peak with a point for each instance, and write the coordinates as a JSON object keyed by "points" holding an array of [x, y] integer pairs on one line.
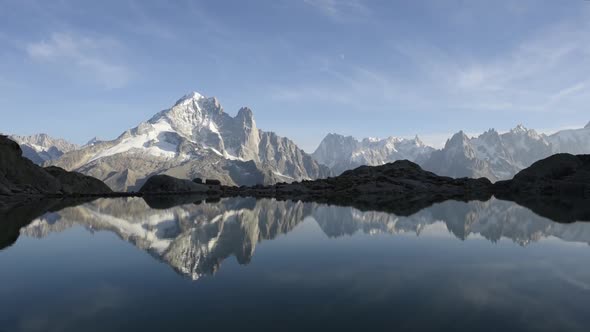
{"points": [[333, 146], [246, 113], [418, 141], [459, 138], [522, 130], [458, 145], [44, 142], [40, 148], [490, 136], [245, 117], [490, 132], [195, 102], [191, 112]]}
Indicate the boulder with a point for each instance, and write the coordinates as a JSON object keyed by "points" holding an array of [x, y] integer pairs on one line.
{"points": [[161, 184]]}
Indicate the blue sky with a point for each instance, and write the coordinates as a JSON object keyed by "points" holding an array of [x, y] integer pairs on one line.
{"points": [[78, 69]]}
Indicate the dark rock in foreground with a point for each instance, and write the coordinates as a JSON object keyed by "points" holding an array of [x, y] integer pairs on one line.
{"points": [[401, 187], [397, 179], [74, 182], [20, 176], [165, 184], [559, 175], [557, 187]]}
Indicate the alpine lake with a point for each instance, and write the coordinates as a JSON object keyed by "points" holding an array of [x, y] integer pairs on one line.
{"points": [[246, 264]]}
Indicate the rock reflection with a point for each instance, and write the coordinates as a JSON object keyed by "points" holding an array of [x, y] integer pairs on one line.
{"points": [[195, 238]]}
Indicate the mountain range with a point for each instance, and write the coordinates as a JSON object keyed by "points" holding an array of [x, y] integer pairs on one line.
{"points": [[500, 156], [494, 155], [196, 138], [342, 153], [40, 148]]}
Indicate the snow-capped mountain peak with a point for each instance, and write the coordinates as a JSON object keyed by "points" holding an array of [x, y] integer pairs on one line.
{"points": [[460, 138], [519, 129], [195, 138], [418, 141], [459, 144], [587, 126], [371, 139], [189, 97], [490, 135]]}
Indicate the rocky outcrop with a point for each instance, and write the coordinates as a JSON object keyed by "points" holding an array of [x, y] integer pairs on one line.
{"points": [[557, 187], [549, 187], [402, 177], [19, 175], [561, 174], [160, 184], [73, 182], [401, 187]]}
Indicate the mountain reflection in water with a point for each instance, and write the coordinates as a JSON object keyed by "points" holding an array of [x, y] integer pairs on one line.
{"points": [[195, 238]]}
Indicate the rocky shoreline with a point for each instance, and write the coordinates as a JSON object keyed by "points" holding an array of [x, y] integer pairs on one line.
{"points": [[557, 188], [401, 187]]}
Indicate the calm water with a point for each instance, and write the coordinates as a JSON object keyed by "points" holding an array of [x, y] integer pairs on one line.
{"points": [[119, 265]]}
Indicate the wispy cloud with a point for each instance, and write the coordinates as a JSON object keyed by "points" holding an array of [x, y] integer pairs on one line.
{"points": [[340, 10], [88, 57], [574, 89], [541, 73]]}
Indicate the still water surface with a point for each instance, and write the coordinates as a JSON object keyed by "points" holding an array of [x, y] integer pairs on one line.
{"points": [[246, 264]]}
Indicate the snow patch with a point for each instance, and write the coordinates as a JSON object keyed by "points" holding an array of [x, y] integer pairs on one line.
{"points": [[148, 141], [283, 175]]}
